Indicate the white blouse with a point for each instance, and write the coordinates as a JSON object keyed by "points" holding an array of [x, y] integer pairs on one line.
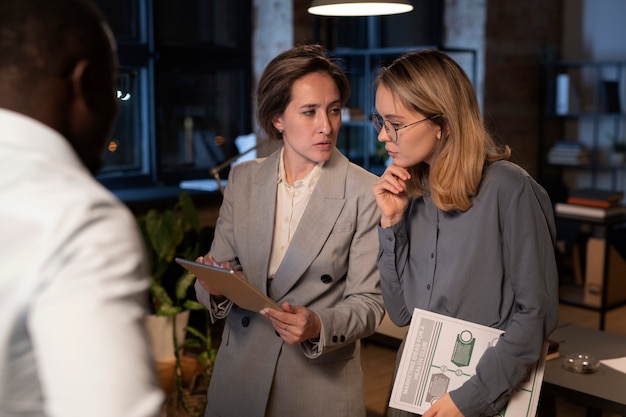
{"points": [[291, 200]]}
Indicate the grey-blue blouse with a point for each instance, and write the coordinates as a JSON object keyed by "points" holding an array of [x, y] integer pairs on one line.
{"points": [[493, 264]]}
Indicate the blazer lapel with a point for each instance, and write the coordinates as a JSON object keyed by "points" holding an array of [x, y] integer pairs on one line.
{"points": [[261, 225], [318, 220]]}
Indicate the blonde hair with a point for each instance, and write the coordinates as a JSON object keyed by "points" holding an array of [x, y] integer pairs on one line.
{"points": [[430, 82]]}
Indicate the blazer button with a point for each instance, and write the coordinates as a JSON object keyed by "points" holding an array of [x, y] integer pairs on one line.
{"points": [[326, 279], [335, 339], [245, 322]]}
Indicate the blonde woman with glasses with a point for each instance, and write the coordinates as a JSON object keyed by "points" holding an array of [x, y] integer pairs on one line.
{"points": [[464, 232]]}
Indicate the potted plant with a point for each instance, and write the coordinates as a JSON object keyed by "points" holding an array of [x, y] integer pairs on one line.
{"points": [[169, 234]]}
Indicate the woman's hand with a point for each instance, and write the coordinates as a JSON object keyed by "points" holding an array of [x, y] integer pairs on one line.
{"points": [[294, 324], [443, 407], [208, 259], [391, 195]]}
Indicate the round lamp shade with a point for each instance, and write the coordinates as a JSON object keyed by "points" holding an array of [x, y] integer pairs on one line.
{"points": [[359, 7]]}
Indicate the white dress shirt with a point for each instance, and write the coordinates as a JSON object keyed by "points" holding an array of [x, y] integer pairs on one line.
{"points": [[73, 286], [291, 200]]}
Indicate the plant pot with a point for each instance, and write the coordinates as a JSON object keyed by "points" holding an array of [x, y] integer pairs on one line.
{"points": [[160, 330], [166, 371], [191, 399]]}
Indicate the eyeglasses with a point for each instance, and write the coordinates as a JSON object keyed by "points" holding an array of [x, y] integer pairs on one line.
{"points": [[390, 128]]}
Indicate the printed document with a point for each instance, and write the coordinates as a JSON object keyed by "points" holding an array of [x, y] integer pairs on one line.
{"points": [[441, 353]]}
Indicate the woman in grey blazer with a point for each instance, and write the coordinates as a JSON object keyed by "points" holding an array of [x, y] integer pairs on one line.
{"points": [[301, 224]]}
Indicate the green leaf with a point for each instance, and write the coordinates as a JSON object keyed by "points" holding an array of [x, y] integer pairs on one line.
{"points": [[189, 211], [183, 284], [196, 333], [168, 310], [159, 295], [203, 357], [192, 343], [158, 269], [164, 232], [193, 305], [191, 252]]}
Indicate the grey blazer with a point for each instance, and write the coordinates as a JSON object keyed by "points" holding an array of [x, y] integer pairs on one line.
{"points": [[330, 267]]}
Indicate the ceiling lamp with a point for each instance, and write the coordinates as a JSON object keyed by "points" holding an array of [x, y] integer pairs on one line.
{"points": [[359, 7]]}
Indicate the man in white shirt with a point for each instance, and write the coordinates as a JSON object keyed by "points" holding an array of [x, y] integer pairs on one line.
{"points": [[73, 277]]}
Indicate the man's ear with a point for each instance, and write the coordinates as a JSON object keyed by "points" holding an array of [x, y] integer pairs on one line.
{"points": [[84, 84]]}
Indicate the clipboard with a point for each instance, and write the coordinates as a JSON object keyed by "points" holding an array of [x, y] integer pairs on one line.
{"points": [[236, 289]]}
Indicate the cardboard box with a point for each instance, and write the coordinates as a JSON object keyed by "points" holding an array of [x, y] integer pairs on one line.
{"points": [[594, 272]]}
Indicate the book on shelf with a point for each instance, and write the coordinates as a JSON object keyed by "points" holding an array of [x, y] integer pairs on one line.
{"points": [[569, 153], [597, 194], [588, 202], [595, 197], [569, 143], [569, 161], [588, 211], [569, 146]]}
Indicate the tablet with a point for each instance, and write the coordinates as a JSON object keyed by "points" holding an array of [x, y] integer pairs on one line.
{"points": [[226, 281]]}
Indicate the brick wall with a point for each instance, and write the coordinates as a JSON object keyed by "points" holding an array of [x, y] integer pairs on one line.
{"points": [[518, 36]]}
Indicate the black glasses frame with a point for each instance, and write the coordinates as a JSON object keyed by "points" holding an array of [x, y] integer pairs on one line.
{"points": [[379, 122]]}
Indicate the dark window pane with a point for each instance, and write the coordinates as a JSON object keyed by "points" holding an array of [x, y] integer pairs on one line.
{"points": [[127, 144], [213, 22], [193, 108], [422, 26], [124, 17]]}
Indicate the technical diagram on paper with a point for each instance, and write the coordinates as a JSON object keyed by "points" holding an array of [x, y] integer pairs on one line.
{"points": [[441, 353]]}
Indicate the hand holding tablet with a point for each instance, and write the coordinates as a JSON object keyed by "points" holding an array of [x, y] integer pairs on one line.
{"points": [[238, 290]]}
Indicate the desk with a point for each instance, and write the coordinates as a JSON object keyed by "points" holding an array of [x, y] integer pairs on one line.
{"points": [[602, 390]]}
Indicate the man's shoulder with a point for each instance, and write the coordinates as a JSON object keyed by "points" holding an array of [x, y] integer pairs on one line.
{"points": [[76, 195]]}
